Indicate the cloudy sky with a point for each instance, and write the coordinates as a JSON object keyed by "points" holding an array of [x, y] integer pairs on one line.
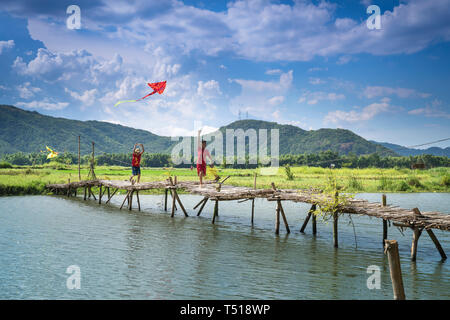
{"points": [[312, 64]]}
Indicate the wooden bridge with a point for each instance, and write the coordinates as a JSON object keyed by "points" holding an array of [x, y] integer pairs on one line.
{"points": [[217, 191]]}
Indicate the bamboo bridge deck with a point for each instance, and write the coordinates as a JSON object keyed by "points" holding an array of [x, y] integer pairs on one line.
{"points": [[216, 191]]}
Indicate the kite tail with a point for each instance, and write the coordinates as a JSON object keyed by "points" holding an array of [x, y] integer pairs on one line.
{"points": [[123, 102]]}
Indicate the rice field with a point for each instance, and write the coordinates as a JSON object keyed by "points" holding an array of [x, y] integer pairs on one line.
{"points": [[32, 180]]}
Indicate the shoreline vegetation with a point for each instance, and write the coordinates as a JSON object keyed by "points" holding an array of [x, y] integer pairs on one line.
{"points": [[31, 180]]}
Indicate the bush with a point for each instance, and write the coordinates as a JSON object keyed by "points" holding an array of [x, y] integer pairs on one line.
{"points": [[5, 165], [414, 182], [446, 180], [355, 183], [402, 186], [289, 174], [385, 183]]}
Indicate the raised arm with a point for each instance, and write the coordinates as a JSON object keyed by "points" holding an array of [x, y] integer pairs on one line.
{"points": [[142, 147], [199, 143], [134, 148]]}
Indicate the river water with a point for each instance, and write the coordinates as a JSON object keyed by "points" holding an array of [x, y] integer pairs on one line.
{"points": [[148, 255]]}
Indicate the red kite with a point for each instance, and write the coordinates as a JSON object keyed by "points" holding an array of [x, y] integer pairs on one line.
{"points": [[158, 87]]}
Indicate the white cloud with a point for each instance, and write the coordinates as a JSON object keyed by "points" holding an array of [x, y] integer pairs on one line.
{"points": [[276, 100], [317, 69], [6, 45], [314, 97], [316, 81], [365, 114], [44, 104], [274, 72], [376, 91], [260, 98], [87, 97], [431, 110], [209, 89], [27, 91], [344, 59], [256, 30]]}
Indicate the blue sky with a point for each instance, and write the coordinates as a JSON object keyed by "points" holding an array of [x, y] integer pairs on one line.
{"points": [[312, 64]]}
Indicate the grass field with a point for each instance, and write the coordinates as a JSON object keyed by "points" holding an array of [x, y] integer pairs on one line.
{"points": [[28, 180]]}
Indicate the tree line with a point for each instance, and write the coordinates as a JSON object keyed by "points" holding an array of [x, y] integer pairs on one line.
{"points": [[321, 159]]}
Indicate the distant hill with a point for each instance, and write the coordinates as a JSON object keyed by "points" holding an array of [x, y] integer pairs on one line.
{"points": [[27, 131], [294, 140], [404, 151]]}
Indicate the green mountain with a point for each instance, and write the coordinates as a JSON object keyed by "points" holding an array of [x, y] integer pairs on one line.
{"points": [[405, 151], [294, 140], [28, 131]]}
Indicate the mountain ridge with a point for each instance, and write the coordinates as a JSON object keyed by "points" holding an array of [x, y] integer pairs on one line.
{"points": [[29, 131]]}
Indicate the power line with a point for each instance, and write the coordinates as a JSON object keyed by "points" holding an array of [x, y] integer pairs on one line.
{"points": [[425, 144]]}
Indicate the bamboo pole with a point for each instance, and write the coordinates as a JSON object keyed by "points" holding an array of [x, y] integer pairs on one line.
{"points": [[432, 236], [79, 159], [216, 210], [253, 200], [138, 201], [314, 224], [110, 197], [100, 195], [165, 200], [310, 213], [277, 221], [284, 217], [201, 202], [173, 203], [385, 225], [125, 199], [335, 223], [416, 235], [84, 193], [130, 202], [201, 208], [391, 249], [437, 244]]}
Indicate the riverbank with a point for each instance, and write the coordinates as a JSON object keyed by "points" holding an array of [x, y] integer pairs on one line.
{"points": [[32, 180]]}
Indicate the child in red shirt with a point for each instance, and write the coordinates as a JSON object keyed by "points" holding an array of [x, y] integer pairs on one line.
{"points": [[136, 162]]}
